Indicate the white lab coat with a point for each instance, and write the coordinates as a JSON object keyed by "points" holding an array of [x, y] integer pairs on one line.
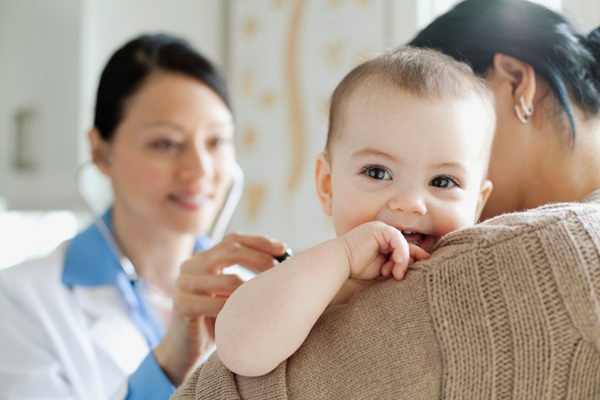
{"points": [[62, 343]]}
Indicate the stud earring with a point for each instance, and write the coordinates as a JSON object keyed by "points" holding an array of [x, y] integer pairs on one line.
{"points": [[528, 112]]}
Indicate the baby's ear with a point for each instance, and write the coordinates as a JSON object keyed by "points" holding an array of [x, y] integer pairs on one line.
{"points": [[323, 181], [484, 195]]}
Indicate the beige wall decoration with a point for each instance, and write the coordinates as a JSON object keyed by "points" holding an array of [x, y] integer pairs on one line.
{"points": [[285, 59]]}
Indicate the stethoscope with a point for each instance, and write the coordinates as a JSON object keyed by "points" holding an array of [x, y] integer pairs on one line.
{"points": [[216, 232]]}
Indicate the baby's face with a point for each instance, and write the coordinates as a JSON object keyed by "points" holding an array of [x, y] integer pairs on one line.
{"points": [[416, 164]]}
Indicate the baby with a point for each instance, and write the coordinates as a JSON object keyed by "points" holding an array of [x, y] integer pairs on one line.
{"points": [[405, 163]]}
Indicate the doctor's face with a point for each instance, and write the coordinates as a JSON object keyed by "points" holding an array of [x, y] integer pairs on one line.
{"points": [[171, 156]]}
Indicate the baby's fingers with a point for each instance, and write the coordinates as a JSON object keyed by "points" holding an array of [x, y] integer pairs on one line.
{"points": [[417, 253], [400, 248], [399, 271], [386, 269]]}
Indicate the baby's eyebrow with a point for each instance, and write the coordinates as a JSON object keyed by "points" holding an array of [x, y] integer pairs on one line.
{"points": [[373, 152], [449, 165]]}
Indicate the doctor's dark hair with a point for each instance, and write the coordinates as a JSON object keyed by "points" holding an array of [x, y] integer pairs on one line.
{"points": [[475, 30], [132, 64]]}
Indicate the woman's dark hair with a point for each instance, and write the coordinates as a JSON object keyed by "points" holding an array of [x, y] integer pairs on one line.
{"points": [[129, 66], [475, 30]]}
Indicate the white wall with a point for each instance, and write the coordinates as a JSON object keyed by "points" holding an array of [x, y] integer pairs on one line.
{"points": [[39, 54], [585, 14]]}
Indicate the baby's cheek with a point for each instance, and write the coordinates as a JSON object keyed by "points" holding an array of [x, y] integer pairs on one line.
{"points": [[454, 220], [349, 218], [344, 225]]}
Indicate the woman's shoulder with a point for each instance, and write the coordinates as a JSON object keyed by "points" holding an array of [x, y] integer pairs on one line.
{"points": [[507, 293], [548, 220]]}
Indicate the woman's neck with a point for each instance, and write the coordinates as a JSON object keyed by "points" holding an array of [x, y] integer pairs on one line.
{"points": [[156, 253], [567, 172]]}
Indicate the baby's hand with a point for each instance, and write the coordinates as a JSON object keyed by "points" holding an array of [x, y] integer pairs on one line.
{"points": [[377, 249]]}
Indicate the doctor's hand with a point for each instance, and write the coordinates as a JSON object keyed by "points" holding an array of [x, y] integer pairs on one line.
{"points": [[200, 293]]}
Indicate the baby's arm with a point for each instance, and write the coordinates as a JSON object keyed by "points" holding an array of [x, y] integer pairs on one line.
{"points": [[349, 289], [267, 318]]}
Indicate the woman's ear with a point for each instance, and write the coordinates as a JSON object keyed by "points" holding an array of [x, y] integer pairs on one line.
{"points": [[100, 150], [323, 181], [484, 195], [515, 75]]}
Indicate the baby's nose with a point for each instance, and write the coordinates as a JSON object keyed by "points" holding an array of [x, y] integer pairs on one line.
{"points": [[408, 202]]}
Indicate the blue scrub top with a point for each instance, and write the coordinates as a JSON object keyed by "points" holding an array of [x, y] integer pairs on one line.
{"points": [[90, 261]]}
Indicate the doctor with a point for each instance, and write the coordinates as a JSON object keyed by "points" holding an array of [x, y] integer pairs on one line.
{"points": [[76, 325]]}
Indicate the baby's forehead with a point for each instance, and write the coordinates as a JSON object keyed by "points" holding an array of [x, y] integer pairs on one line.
{"points": [[426, 78], [380, 114], [372, 96]]}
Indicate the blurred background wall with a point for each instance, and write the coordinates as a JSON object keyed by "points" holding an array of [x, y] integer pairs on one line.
{"points": [[283, 59]]}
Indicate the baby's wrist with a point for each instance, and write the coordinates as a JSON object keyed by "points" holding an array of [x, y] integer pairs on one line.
{"points": [[346, 248]]}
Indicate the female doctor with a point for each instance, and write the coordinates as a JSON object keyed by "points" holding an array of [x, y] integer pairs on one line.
{"points": [[78, 325]]}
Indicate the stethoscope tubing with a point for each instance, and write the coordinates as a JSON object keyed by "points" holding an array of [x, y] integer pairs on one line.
{"points": [[217, 230]]}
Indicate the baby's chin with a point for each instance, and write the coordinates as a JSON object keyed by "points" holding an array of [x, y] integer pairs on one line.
{"points": [[426, 242]]}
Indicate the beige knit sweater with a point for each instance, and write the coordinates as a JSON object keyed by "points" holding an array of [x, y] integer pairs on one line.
{"points": [[507, 309]]}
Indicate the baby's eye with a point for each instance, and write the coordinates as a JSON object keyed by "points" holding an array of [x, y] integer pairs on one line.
{"points": [[443, 182], [378, 173]]}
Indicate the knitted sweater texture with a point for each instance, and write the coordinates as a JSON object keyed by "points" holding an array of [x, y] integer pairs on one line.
{"points": [[507, 309]]}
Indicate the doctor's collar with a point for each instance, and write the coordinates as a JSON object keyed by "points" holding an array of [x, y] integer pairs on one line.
{"points": [[90, 261]]}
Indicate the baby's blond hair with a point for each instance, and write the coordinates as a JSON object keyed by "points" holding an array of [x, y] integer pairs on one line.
{"points": [[423, 73]]}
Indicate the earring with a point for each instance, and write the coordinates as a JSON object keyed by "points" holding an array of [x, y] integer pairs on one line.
{"points": [[528, 113]]}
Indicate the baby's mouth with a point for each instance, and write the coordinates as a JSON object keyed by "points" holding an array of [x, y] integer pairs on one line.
{"points": [[421, 240]]}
